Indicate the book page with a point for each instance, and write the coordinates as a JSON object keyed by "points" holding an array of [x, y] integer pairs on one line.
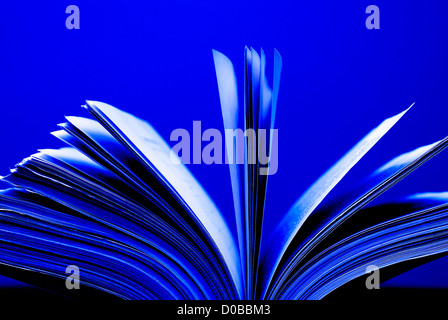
{"points": [[149, 146], [281, 235], [321, 230]]}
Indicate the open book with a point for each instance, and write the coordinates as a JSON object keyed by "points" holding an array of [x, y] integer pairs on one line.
{"points": [[138, 225]]}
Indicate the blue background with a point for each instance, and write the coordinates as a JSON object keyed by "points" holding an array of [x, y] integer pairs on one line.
{"points": [[154, 59]]}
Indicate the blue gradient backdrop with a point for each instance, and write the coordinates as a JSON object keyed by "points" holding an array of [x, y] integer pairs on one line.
{"points": [[154, 59]]}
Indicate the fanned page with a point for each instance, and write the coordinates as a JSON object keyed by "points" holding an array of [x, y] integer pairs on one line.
{"points": [[277, 264], [414, 227], [117, 203], [155, 154], [233, 119], [249, 177], [106, 181], [322, 229], [281, 235]]}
